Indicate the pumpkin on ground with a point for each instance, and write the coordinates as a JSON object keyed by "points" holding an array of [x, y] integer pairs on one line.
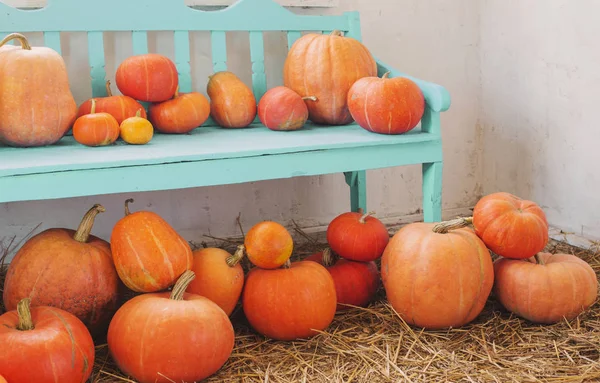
{"points": [[136, 130], [182, 114], [148, 253], [356, 283], [268, 245], [219, 276], [232, 103], [149, 77], [96, 128], [547, 290], [325, 66], [437, 276], [291, 302], [37, 107], [118, 106], [386, 105], [357, 237], [2, 380], [283, 109], [170, 336], [510, 226], [68, 269], [44, 345]]}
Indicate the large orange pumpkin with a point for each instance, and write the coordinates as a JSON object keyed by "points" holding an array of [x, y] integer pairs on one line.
{"points": [[118, 106], [291, 302], [551, 288], [150, 77], [326, 66], [170, 336], [510, 226], [37, 107], [232, 103], [220, 276], [386, 105], [44, 345], [182, 114], [148, 253], [437, 276], [268, 245], [68, 269]]}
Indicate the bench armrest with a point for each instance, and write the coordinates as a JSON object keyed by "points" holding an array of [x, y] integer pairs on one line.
{"points": [[436, 96]]}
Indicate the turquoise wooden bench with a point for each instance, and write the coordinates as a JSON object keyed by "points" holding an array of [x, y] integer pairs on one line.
{"points": [[214, 156]]}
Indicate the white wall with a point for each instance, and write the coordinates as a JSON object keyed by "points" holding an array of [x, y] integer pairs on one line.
{"points": [[437, 40], [540, 70]]}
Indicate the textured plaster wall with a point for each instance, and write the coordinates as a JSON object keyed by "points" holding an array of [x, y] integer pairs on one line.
{"points": [[435, 40]]}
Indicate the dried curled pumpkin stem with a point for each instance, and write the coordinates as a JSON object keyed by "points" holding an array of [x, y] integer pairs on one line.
{"points": [[329, 257], [234, 259], [446, 226], [176, 92], [108, 91], [138, 113], [312, 98], [336, 32], [127, 202], [365, 216], [287, 264], [539, 259], [386, 74], [87, 222], [16, 36], [24, 314], [181, 285], [93, 108]]}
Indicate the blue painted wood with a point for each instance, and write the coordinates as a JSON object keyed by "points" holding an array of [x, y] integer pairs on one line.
{"points": [[221, 156]]}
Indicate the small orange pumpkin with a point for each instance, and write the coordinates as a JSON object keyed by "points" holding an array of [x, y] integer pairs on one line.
{"points": [[182, 114], [148, 253], [96, 129], [220, 276], [136, 130], [268, 245], [553, 287], [283, 109], [119, 106]]}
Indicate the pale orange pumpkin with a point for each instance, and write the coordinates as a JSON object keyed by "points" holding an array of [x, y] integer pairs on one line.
{"points": [[37, 107], [232, 103], [326, 66], [437, 275], [546, 290]]}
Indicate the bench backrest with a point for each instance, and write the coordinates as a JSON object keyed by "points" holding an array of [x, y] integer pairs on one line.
{"points": [[142, 16]]}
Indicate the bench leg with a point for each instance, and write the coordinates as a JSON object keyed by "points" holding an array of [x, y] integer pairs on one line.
{"points": [[432, 192], [358, 189]]}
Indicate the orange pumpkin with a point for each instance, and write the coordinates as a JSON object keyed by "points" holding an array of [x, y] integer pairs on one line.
{"points": [[150, 77], [170, 336], [220, 276], [268, 245], [136, 130], [182, 114], [437, 276], [232, 103], [283, 109], [326, 66], [2, 380], [96, 129], [510, 226], [357, 237], [290, 303], [68, 269], [551, 288], [44, 345], [386, 105], [37, 107], [148, 253], [120, 107]]}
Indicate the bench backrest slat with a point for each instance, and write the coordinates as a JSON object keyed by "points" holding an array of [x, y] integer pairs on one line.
{"points": [[292, 36], [52, 40], [218, 42], [139, 42], [182, 60], [97, 63], [257, 56]]}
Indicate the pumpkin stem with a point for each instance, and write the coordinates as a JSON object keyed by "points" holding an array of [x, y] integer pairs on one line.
{"points": [[176, 92], [328, 257], [312, 98], [16, 36], [446, 226], [287, 264], [24, 313], [93, 109], [539, 259], [364, 217], [108, 91], [138, 113], [336, 32], [85, 227], [234, 259], [127, 202], [181, 285], [386, 74]]}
